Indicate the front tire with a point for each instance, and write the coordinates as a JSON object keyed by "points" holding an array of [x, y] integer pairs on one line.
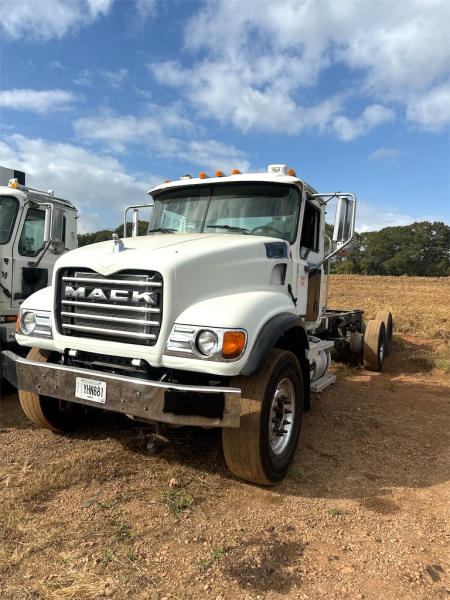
{"points": [[46, 412], [262, 448]]}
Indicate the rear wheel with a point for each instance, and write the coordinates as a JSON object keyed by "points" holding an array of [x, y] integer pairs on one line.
{"points": [[46, 412], [374, 345], [386, 317], [261, 449]]}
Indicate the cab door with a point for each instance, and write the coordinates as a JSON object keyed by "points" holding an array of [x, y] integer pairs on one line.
{"points": [[309, 284], [28, 246]]}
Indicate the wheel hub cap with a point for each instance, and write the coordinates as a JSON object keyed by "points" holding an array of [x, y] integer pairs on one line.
{"points": [[281, 417]]}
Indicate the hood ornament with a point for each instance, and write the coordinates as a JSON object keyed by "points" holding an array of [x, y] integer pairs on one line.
{"points": [[118, 244]]}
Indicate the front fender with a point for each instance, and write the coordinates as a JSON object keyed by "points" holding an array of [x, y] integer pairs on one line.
{"points": [[248, 310], [40, 300]]}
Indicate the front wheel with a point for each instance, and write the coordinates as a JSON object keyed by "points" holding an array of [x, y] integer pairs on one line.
{"points": [[261, 449], [46, 412]]}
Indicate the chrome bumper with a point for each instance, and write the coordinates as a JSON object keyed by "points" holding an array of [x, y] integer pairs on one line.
{"points": [[149, 400]]}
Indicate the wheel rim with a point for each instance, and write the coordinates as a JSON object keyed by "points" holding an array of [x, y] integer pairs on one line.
{"points": [[281, 416]]}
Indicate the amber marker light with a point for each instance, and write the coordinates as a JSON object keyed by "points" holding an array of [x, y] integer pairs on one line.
{"points": [[17, 322], [291, 172], [219, 174], [166, 180], [235, 172], [202, 175], [233, 344]]}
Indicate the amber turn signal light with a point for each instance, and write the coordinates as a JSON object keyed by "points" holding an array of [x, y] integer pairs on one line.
{"points": [[233, 344], [17, 322]]}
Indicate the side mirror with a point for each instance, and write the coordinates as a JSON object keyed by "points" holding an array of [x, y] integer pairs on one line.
{"points": [[57, 227], [48, 224], [343, 221]]}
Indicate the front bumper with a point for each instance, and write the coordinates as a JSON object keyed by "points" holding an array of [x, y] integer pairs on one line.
{"points": [[149, 400]]}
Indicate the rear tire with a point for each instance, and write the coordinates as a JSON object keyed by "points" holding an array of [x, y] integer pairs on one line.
{"points": [[374, 345], [46, 412], [386, 317], [272, 403]]}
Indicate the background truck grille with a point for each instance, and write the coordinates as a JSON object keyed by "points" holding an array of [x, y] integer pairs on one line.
{"points": [[123, 307]]}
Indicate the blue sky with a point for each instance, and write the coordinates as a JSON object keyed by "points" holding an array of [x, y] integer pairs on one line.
{"points": [[102, 99]]}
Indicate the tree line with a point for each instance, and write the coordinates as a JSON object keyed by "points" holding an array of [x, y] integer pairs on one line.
{"points": [[421, 249]]}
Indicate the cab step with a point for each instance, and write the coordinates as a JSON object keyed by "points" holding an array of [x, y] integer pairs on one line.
{"points": [[323, 382]]}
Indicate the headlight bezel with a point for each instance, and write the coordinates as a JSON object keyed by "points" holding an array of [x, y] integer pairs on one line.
{"points": [[42, 324], [24, 327], [182, 342]]}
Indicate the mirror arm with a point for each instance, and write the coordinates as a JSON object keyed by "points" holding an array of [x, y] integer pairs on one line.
{"points": [[309, 268], [135, 208], [35, 263]]}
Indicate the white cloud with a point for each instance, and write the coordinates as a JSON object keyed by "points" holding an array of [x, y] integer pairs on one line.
{"points": [[432, 110], [160, 132], [100, 186], [146, 9], [40, 101], [384, 154], [259, 60], [372, 218], [372, 116], [50, 18]]}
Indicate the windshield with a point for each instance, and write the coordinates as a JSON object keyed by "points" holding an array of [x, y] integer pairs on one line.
{"points": [[266, 209], [8, 212]]}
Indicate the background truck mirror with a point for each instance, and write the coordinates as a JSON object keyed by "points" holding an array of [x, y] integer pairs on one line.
{"points": [[48, 224], [57, 227]]}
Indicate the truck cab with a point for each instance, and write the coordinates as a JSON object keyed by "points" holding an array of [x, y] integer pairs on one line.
{"points": [[27, 258], [215, 318]]}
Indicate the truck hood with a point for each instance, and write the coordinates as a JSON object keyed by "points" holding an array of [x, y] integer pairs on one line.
{"points": [[162, 252]]}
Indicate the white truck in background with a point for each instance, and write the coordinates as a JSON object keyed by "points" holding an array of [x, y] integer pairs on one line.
{"points": [[215, 318], [35, 228]]}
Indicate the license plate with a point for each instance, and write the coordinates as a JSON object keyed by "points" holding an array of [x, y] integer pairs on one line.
{"points": [[90, 389]]}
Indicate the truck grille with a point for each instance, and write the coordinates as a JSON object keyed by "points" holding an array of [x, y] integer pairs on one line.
{"points": [[123, 307]]}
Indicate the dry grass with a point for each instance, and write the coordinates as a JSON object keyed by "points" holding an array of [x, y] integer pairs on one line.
{"points": [[420, 307]]}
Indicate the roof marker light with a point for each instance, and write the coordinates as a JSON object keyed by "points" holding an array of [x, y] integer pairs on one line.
{"points": [[291, 172], [235, 172], [277, 169], [219, 174], [203, 175], [13, 183], [166, 180], [187, 176]]}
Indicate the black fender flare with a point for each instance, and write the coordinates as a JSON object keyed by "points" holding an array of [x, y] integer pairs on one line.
{"points": [[282, 330], [267, 337]]}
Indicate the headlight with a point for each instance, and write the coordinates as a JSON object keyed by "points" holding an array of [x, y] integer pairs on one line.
{"points": [[213, 343], [36, 323], [207, 342], [28, 322]]}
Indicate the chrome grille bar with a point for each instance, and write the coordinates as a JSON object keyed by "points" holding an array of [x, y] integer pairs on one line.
{"points": [[130, 307], [108, 318], [147, 336], [107, 281]]}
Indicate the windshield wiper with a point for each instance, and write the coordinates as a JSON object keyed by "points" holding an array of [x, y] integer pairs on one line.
{"points": [[163, 230], [229, 227]]}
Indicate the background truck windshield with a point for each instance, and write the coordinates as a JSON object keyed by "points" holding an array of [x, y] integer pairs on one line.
{"points": [[266, 209], [8, 212]]}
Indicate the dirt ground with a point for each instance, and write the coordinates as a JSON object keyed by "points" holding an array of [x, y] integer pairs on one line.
{"points": [[110, 512]]}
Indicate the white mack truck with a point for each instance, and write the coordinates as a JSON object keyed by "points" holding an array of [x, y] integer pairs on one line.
{"points": [[213, 319], [35, 228]]}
